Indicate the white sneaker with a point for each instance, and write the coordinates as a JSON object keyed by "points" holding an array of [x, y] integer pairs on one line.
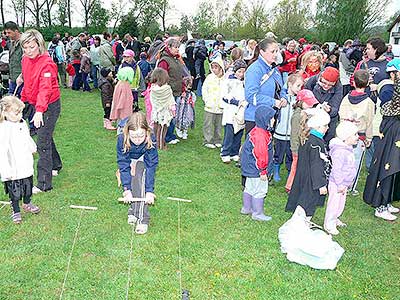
{"points": [[36, 190], [392, 209], [218, 145], [54, 173], [386, 215], [235, 158], [178, 133], [226, 159], [332, 231], [173, 142], [132, 219], [210, 146], [184, 136]]}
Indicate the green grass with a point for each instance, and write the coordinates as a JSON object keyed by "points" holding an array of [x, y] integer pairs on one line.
{"points": [[224, 255]]}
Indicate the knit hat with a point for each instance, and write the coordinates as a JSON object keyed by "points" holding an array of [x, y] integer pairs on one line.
{"points": [[346, 129], [128, 53], [307, 97], [330, 74], [302, 41], [105, 71], [319, 118], [393, 65], [239, 64], [143, 55]]}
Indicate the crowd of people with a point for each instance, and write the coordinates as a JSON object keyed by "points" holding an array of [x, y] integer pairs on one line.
{"points": [[318, 109]]}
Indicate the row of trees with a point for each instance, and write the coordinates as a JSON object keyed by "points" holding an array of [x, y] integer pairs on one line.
{"points": [[334, 20]]}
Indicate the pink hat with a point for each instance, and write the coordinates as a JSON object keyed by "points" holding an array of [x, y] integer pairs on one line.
{"points": [[128, 52], [307, 97]]}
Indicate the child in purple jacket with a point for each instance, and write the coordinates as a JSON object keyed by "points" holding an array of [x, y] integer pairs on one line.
{"points": [[342, 174]]}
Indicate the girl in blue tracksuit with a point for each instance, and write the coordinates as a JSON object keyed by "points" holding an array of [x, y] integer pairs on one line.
{"points": [[137, 159], [254, 163]]}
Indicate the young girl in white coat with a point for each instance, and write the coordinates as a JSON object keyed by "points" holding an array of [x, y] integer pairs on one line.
{"points": [[16, 159]]}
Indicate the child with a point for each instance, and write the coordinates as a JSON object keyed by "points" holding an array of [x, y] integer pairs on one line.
{"points": [[163, 105], [211, 92], [311, 180], [342, 174], [144, 65], [282, 128], [106, 86], [232, 97], [128, 60], [358, 107], [76, 64], [85, 68], [305, 100], [137, 143], [16, 159], [185, 111], [254, 163], [71, 74], [121, 107]]}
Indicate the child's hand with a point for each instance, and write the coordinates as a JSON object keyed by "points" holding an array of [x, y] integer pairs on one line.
{"points": [[323, 190], [127, 194], [150, 198], [264, 177], [342, 190]]}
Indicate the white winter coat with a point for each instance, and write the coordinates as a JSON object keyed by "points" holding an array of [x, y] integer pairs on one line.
{"points": [[16, 149], [232, 88]]}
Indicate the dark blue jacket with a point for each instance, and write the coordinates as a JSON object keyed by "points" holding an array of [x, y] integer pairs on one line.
{"points": [[124, 162], [254, 158], [144, 67]]}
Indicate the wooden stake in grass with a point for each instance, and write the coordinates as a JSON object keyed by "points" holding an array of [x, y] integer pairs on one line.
{"points": [[82, 208]]}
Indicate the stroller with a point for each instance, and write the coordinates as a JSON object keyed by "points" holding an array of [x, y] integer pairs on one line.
{"points": [[4, 72]]}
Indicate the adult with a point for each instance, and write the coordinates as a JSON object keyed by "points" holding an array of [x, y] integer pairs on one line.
{"points": [[346, 68], [389, 53], [263, 82], [106, 55], [15, 55], [170, 61], [288, 66], [199, 55], [249, 50], [78, 42], [154, 49], [146, 44], [383, 185], [327, 89], [218, 40], [41, 90], [189, 59], [95, 61]]}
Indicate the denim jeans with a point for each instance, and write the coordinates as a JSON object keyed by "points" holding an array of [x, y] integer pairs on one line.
{"points": [[49, 159], [94, 75], [231, 144], [12, 85], [76, 85], [86, 86]]}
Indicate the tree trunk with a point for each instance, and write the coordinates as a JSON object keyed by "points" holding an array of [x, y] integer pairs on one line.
{"points": [[69, 13], [48, 11], [2, 11]]}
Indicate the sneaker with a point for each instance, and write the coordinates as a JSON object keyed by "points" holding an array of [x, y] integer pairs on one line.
{"points": [[226, 159], [141, 228], [179, 133], [385, 214], [132, 220], [340, 223], [184, 136], [54, 173], [355, 193], [235, 158], [210, 146], [36, 190], [31, 208], [218, 145], [392, 209], [173, 142], [16, 217]]}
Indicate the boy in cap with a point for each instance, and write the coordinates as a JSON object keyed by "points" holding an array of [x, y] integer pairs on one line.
{"points": [[106, 86]]}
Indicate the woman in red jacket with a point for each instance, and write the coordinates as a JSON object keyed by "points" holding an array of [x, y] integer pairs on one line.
{"points": [[41, 92]]}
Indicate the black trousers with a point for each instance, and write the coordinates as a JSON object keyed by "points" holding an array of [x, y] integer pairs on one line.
{"points": [[17, 190], [49, 159]]}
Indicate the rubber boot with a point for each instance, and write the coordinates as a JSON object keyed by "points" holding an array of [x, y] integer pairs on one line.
{"points": [[258, 210], [277, 168], [246, 208]]}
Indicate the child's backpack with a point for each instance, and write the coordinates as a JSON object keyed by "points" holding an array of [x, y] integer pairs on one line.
{"points": [[52, 52]]}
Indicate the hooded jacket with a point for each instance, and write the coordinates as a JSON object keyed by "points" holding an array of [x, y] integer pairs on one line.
{"points": [[212, 90], [200, 51], [254, 158], [232, 94], [358, 108], [343, 169]]}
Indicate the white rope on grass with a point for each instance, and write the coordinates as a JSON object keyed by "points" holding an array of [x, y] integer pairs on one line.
{"points": [[130, 265], [70, 255], [179, 248]]}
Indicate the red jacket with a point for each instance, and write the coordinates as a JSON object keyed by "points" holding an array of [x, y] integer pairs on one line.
{"points": [[40, 81], [286, 66]]}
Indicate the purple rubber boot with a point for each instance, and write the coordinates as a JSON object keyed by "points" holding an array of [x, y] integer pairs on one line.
{"points": [[246, 208], [258, 210]]}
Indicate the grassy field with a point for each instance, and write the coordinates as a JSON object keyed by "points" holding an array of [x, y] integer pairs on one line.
{"points": [[224, 255]]}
